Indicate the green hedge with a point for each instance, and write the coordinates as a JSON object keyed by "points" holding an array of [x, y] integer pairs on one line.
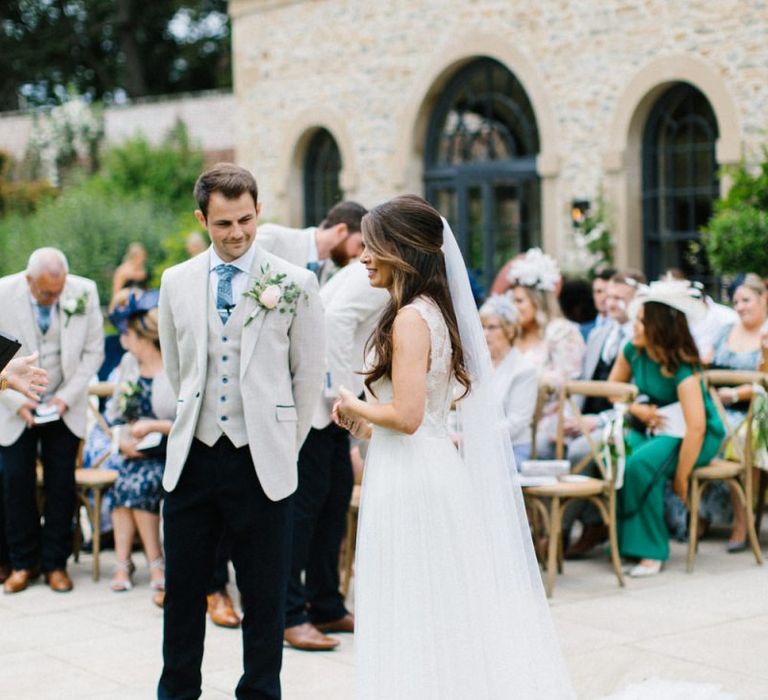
{"points": [[92, 228]]}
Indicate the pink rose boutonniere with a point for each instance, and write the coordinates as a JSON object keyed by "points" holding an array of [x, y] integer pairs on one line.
{"points": [[271, 291]]}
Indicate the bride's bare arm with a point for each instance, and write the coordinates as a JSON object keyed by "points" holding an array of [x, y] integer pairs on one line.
{"points": [[410, 358]]}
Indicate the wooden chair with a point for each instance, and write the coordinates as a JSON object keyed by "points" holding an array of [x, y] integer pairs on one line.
{"points": [[737, 473], [549, 501], [95, 480]]}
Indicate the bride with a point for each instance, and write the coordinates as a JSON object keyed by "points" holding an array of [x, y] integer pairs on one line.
{"points": [[449, 601]]}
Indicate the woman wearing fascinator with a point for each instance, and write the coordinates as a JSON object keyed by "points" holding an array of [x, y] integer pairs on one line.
{"points": [[449, 600], [140, 415], [515, 377], [682, 428], [547, 339]]}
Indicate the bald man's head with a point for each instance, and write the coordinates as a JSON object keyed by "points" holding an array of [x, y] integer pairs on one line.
{"points": [[47, 271]]}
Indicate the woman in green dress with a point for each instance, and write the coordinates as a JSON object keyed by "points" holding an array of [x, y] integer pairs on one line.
{"points": [[663, 362]]}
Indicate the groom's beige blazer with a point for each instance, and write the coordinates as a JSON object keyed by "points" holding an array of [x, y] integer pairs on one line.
{"points": [[82, 350], [281, 368]]}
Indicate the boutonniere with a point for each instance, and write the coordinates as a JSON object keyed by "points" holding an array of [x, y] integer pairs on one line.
{"points": [[271, 291], [74, 306], [129, 401]]}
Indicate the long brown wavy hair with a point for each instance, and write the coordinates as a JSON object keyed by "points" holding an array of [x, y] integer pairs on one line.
{"points": [[668, 338], [407, 234]]}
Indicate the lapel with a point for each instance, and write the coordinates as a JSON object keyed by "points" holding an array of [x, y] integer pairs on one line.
{"points": [[26, 315], [198, 305], [250, 333], [65, 338]]}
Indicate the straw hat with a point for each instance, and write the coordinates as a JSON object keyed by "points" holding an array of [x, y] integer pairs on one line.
{"points": [[677, 294]]}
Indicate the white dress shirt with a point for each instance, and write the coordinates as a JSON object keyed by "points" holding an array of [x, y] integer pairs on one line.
{"points": [[239, 279]]}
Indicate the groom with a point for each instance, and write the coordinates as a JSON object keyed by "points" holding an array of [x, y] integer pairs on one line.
{"points": [[247, 375]]}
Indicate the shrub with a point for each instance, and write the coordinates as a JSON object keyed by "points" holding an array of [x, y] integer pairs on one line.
{"points": [[92, 228], [736, 240], [165, 174], [736, 235]]}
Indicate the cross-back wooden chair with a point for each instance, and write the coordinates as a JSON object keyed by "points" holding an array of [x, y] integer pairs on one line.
{"points": [[549, 501], [736, 472]]}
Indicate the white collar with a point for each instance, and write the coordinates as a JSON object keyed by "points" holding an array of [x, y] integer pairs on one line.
{"points": [[244, 263]]}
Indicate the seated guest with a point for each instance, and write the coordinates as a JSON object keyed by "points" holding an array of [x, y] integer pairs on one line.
{"points": [[515, 378], [132, 272], [603, 346], [738, 347], [664, 364], [56, 314], [600, 296], [142, 409], [552, 343], [577, 304], [706, 328]]}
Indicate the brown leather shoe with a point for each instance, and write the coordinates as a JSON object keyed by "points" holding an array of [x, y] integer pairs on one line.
{"points": [[58, 581], [222, 611], [5, 572], [159, 599], [18, 580], [343, 624], [308, 638]]}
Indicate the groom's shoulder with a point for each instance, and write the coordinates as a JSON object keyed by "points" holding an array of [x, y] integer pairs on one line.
{"points": [[183, 270]]}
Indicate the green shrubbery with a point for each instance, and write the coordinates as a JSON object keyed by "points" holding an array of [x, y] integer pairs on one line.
{"points": [[93, 230], [736, 237], [141, 193]]}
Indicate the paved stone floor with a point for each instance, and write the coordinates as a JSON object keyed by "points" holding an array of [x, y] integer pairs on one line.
{"points": [[711, 626]]}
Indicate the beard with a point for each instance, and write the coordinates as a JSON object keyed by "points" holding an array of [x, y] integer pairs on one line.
{"points": [[339, 254]]}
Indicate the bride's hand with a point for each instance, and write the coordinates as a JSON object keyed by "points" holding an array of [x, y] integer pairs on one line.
{"points": [[348, 403]]}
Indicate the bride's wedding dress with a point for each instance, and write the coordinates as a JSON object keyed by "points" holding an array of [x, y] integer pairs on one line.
{"points": [[436, 616]]}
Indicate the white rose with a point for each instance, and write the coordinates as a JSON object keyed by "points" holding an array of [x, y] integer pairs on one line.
{"points": [[270, 297], [70, 305]]}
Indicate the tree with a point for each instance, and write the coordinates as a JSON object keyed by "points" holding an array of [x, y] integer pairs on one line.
{"points": [[736, 235], [110, 49]]}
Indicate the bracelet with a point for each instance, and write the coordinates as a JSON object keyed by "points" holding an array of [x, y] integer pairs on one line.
{"points": [[3, 381]]}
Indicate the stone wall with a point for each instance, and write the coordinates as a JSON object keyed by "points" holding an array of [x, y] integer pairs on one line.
{"points": [[369, 71], [210, 118]]}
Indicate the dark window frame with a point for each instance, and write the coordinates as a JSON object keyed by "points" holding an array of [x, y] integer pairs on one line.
{"points": [[321, 173]]}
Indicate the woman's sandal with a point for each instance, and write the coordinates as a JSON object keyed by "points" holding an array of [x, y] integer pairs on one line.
{"points": [[120, 585], [158, 584]]}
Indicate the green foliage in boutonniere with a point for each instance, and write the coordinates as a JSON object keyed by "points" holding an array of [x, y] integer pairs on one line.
{"points": [[74, 306], [272, 292], [129, 401]]}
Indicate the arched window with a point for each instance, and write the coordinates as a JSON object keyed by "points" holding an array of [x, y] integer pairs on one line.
{"points": [[322, 166], [480, 168], [680, 182]]}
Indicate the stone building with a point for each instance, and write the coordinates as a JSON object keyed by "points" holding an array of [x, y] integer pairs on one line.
{"points": [[505, 114]]}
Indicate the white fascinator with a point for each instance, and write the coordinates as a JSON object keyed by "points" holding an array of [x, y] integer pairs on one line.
{"points": [[500, 305], [678, 294], [535, 269]]}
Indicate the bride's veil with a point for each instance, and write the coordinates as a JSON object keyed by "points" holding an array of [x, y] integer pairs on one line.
{"points": [[521, 635]]}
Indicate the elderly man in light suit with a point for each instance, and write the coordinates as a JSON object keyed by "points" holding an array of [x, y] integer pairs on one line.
{"points": [[315, 605], [246, 378], [57, 315]]}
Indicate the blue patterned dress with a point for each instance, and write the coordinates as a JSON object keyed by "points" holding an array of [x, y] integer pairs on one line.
{"points": [[139, 481]]}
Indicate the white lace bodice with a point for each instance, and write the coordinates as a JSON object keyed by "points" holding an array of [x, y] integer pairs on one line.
{"points": [[440, 379]]}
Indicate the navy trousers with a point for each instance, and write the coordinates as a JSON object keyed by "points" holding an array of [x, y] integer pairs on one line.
{"points": [[219, 490]]}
